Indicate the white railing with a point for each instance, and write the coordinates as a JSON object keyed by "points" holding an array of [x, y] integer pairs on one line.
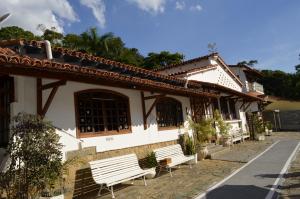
{"points": [[254, 86]]}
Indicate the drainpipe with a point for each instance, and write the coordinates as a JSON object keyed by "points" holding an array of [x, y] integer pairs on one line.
{"points": [[187, 81], [48, 49]]}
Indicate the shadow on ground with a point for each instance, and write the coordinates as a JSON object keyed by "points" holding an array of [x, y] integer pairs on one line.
{"points": [[287, 175], [86, 188], [238, 192]]}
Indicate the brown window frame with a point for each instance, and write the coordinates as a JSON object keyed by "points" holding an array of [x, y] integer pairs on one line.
{"points": [[105, 132], [168, 127]]}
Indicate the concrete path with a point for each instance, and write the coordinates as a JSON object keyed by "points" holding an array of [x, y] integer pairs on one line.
{"points": [[259, 178]]}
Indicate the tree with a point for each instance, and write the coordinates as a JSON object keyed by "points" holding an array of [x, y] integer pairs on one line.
{"points": [[53, 36], [72, 41], [248, 63], [131, 56], [281, 84], [35, 157], [14, 32], [164, 58], [297, 67]]}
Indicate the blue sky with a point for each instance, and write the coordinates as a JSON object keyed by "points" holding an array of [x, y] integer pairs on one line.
{"points": [[242, 29]]}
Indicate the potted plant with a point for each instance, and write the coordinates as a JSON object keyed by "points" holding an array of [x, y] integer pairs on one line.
{"points": [[202, 133], [268, 128], [151, 163], [190, 149], [223, 128], [188, 146], [258, 127]]}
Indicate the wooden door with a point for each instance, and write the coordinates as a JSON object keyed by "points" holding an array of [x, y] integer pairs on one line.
{"points": [[198, 108]]}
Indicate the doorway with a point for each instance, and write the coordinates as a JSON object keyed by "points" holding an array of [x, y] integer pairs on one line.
{"points": [[6, 97]]}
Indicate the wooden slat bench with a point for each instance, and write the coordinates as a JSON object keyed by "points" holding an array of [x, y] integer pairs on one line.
{"points": [[175, 153], [112, 171], [236, 134]]}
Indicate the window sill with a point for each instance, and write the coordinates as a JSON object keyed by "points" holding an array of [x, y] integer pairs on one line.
{"points": [[233, 121], [168, 128], [101, 134]]}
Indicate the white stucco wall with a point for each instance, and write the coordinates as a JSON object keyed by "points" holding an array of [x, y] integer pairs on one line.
{"points": [[242, 76], [216, 76], [62, 113]]}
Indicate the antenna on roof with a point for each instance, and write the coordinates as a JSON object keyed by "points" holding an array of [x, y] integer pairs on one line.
{"points": [[4, 17], [212, 47]]}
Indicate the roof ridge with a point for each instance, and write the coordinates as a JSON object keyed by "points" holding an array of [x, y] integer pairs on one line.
{"points": [[187, 61], [87, 56], [206, 67]]}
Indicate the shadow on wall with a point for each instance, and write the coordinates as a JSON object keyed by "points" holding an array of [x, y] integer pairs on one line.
{"points": [[238, 192]]}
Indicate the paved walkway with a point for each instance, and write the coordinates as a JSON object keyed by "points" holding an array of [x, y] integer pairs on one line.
{"points": [[257, 177]]}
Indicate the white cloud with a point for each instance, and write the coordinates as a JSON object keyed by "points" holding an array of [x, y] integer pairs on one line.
{"points": [[180, 5], [98, 9], [28, 14], [152, 6], [196, 7]]}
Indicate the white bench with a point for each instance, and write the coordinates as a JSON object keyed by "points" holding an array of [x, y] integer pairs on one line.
{"points": [[175, 153], [246, 135], [236, 134], [112, 171]]}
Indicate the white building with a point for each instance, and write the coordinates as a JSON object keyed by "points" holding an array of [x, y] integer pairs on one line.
{"points": [[250, 77], [214, 75], [94, 102], [102, 108]]}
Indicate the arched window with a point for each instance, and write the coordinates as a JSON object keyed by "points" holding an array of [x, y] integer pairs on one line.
{"points": [[101, 112], [169, 113]]}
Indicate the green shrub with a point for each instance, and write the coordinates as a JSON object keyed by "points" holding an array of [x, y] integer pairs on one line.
{"points": [[269, 125], [35, 158], [202, 132], [221, 124], [189, 146], [151, 160]]}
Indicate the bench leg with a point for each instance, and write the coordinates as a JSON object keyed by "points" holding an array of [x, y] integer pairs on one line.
{"points": [[170, 171], [99, 192], [112, 192], [190, 165], [160, 168], [144, 178]]}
